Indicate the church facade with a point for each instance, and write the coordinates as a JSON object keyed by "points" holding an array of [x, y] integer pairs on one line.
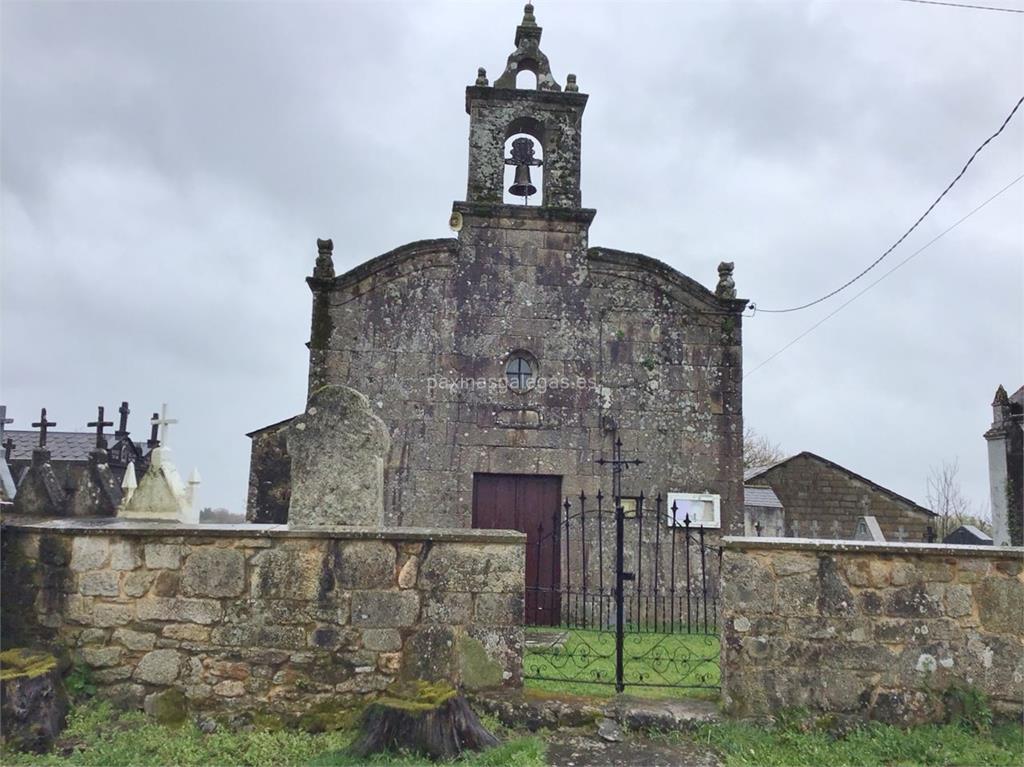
{"points": [[508, 360]]}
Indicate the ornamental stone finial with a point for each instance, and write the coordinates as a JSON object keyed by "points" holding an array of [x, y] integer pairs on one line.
{"points": [[481, 77], [529, 20], [324, 269], [570, 84], [726, 285]]}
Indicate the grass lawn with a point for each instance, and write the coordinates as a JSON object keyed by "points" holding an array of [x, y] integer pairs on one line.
{"points": [[952, 745], [585, 664], [98, 735]]}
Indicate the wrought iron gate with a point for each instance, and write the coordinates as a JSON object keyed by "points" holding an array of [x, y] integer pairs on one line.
{"points": [[636, 603]]}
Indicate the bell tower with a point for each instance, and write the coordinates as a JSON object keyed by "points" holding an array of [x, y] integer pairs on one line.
{"points": [[547, 121]]}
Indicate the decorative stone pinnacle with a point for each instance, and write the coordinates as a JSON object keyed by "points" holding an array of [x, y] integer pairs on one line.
{"points": [[726, 285], [481, 77], [1001, 398], [529, 20], [324, 269], [570, 84]]}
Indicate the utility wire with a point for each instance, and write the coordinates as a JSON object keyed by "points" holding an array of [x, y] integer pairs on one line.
{"points": [[965, 5], [900, 264], [906, 234]]}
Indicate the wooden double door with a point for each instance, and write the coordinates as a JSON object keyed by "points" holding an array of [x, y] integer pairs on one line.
{"points": [[531, 504]]}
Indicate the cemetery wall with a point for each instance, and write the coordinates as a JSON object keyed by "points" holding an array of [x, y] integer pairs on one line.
{"points": [[886, 631], [259, 617]]}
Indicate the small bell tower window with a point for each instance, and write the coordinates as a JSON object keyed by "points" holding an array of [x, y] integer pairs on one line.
{"points": [[524, 179]]}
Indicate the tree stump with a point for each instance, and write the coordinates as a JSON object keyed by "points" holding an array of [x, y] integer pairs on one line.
{"points": [[429, 719], [33, 701]]}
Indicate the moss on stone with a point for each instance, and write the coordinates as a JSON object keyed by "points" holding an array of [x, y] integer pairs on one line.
{"points": [[169, 707], [20, 662], [477, 669], [326, 716], [417, 695]]}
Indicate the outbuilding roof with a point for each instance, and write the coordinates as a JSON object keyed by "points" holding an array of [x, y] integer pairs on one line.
{"points": [[761, 496]]}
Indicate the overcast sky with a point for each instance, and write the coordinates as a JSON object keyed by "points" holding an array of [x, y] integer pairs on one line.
{"points": [[167, 168]]}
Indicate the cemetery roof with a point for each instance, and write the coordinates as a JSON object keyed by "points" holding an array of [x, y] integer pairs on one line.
{"points": [[758, 471], [63, 445], [761, 496]]}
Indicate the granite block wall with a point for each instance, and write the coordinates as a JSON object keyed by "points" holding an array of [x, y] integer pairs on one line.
{"points": [[878, 631], [257, 617]]}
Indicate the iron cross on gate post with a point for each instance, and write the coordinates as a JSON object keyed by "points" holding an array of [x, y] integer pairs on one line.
{"points": [[99, 423], [618, 464]]}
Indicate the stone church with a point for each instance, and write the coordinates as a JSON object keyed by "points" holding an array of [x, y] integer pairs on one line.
{"points": [[508, 359]]}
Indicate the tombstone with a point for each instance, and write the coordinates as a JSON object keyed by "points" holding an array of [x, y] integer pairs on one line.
{"points": [[97, 493], [868, 530], [161, 495], [39, 491], [338, 447]]}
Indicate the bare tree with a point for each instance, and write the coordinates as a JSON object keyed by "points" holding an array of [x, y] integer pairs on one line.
{"points": [[947, 499], [759, 450]]}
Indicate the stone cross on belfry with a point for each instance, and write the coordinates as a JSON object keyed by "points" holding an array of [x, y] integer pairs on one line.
{"points": [[99, 423], [122, 428], [162, 422], [43, 425]]}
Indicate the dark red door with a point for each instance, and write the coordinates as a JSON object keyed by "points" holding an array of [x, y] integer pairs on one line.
{"points": [[530, 504]]}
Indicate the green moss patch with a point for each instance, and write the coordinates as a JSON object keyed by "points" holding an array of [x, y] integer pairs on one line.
{"points": [[20, 662]]}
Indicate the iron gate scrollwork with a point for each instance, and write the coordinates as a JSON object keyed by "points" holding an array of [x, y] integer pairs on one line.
{"points": [[634, 602]]}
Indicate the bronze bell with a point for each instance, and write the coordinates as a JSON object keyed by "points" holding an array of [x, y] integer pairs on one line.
{"points": [[523, 185]]}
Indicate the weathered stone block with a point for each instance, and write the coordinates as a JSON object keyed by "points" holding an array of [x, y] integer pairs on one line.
{"points": [[93, 636], [229, 688], [253, 635], [105, 614], [159, 667], [101, 656], [959, 601], [499, 609], [382, 640], [452, 608], [100, 583], [179, 610], [134, 640], [124, 555], [430, 654], [282, 574], [214, 572], [409, 572], [187, 632], [384, 609], [999, 605], [363, 564], [163, 556], [466, 567], [138, 583], [89, 553]]}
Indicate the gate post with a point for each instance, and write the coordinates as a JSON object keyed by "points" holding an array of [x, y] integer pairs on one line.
{"points": [[619, 578]]}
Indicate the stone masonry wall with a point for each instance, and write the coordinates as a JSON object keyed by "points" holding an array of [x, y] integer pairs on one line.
{"points": [[812, 490], [878, 631], [261, 618]]}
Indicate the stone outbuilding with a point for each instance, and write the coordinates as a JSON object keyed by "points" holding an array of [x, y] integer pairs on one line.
{"points": [[507, 359], [824, 500]]}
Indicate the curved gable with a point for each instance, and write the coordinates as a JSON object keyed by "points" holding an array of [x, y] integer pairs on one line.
{"points": [[613, 262], [398, 262]]}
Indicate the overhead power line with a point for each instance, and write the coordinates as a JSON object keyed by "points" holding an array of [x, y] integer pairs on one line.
{"points": [[906, 234], [965, 5], [924, 247]]}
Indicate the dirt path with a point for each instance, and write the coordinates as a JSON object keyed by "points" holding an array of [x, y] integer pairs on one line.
{"points": [[565, 750]]}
